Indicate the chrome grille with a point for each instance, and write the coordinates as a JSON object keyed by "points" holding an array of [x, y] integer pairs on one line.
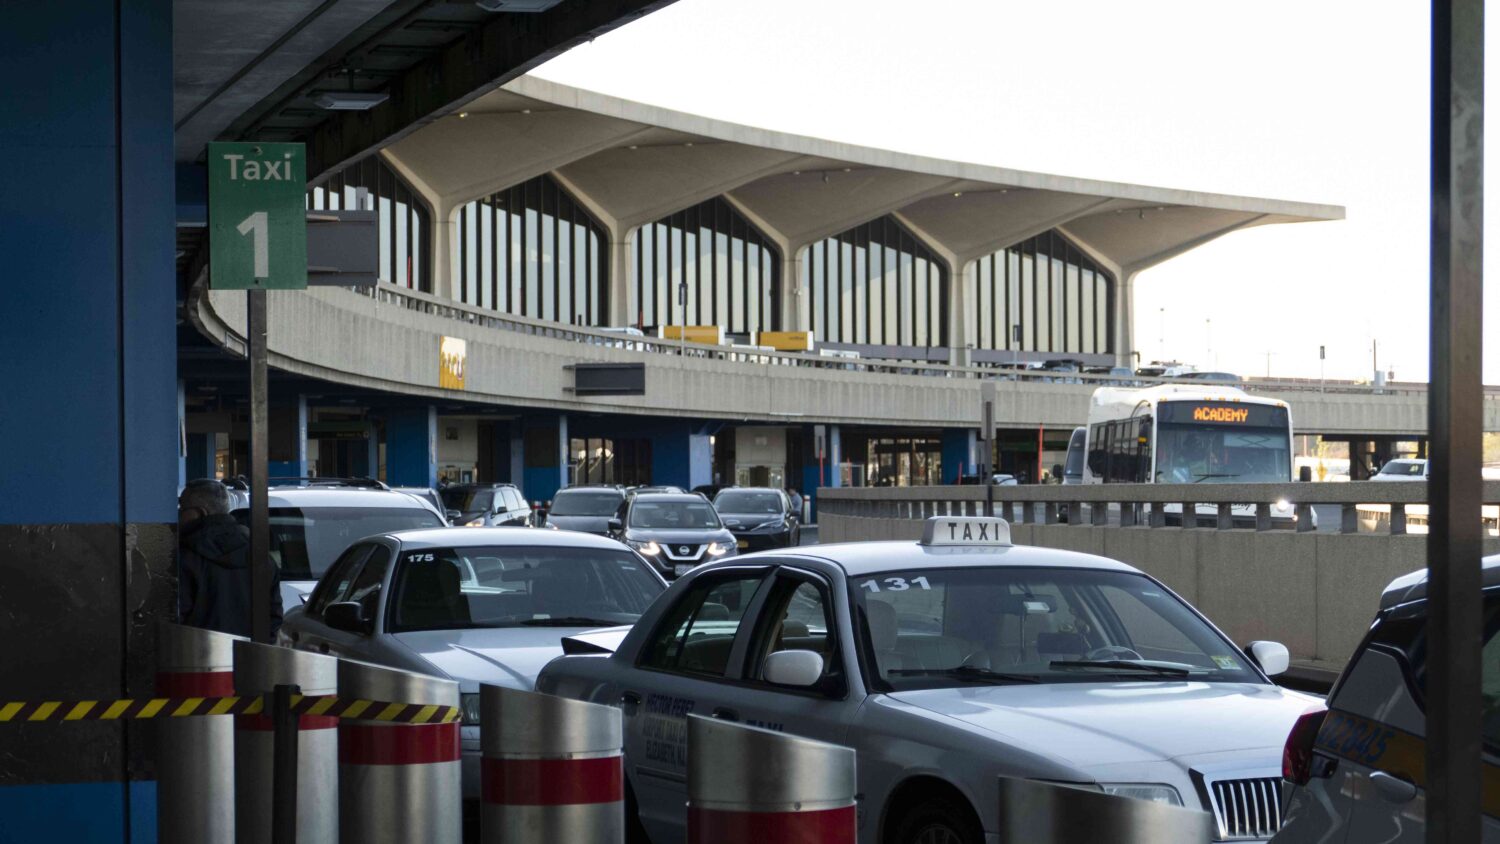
{"points": [[1249, 808]]}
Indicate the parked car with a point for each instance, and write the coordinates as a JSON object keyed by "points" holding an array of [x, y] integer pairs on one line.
{"points": [[946, 664], [759, 517], [431, 496], [477, 606], [314, 521], [585, 508], [487, 505], [674, 531], [1402, 469], [1215, 377], [1355, 768]]}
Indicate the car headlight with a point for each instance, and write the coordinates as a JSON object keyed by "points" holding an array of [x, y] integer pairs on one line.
{"points": [[479, 522], [1165, 794], [649, 547], [469, 705], [719, 548]]}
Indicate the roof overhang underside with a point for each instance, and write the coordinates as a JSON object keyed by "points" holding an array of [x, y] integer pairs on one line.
{"points": [[635, 163]]}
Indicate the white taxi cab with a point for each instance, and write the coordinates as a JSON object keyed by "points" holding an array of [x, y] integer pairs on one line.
{"points": [[1357, 770], [946, 664]]}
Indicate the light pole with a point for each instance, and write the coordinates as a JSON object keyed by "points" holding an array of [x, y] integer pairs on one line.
{"points": [[1208, 342], [1161, 341]]}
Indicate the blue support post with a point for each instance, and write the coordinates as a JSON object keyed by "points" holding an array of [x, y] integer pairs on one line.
{"points": [[835, 456], [289, 444], [544, 456], [411, 447], [199, 462], [681, 455], [958, 454], [88, 357]]}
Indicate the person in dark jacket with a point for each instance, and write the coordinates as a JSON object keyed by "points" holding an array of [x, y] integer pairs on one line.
{"points": [[213, 563]]}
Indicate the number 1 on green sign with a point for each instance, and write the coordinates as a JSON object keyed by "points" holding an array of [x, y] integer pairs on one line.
{"points": [[255, 226]]}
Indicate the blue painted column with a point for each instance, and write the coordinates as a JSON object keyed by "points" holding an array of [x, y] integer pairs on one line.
{"points": [[958, 453], [411, 447], [200, 457], [544, 455], [681, 455], [88, 360], [288, 446], [835, 456]]}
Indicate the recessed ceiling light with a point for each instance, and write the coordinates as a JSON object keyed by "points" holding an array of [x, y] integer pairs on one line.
{"points": [[848, 169], [350, 100], [688, 144], [957, 194], [462, 115], [633, 146], [796, 172], [525, 111]]}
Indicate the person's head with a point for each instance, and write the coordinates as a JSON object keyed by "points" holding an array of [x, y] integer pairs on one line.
{"points": [[200, 498]]}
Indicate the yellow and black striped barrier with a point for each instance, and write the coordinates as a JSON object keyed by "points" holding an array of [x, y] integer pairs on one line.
{"points": [[135, 709]]}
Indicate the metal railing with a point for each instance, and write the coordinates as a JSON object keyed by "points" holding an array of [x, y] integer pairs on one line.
{"points": [[1364, 506], [427, 303]]}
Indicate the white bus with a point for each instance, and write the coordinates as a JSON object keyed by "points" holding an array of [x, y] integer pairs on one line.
{"points": [[1188, 434]]}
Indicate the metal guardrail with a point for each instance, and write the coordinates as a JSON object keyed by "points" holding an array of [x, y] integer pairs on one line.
{"points": [[427, 303], [1142, 505]]}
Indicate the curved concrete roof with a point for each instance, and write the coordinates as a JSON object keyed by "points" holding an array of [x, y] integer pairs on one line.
{"points": [[634, 163]]}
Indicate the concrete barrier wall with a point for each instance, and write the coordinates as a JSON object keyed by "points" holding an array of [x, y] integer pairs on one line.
{"points": [[1314, 592]]}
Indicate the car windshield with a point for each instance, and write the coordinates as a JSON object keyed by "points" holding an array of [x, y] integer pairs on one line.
{"points": [[1221, 442], [306, 540], [468, 500], [686, 515], [1404, 468], [767, 503], [585, 504], [931, 628], [501, 586]]}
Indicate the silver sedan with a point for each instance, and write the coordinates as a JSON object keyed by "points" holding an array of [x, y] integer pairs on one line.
{"points": [[479, 605]]}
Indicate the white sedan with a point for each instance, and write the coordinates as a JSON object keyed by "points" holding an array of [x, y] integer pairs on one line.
{"points": [[946, 664]]}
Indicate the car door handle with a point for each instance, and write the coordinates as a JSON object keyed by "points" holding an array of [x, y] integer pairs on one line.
{"points": [[1393, 788], [724, 713], [630, 698]]}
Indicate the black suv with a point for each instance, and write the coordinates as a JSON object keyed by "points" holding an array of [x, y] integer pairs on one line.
{"points": [[759, 517], [486, 505], [674, 531], [585, 508]]}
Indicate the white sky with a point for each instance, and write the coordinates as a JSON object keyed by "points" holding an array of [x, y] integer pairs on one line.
{"points": [[1320, 101]]}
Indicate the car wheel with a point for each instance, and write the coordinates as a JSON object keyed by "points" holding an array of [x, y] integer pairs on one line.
{"points": [[937, 821], [635, 831]]}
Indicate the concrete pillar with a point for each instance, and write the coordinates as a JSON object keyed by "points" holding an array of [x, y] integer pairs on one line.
{"points": [[835, 456], [287, 457], [796, 301], [1125, 319], [958, 453], [544, 453], [411, 447], [681, 455], [445, 256], [623, 309], [958, 312], [88, 357]]}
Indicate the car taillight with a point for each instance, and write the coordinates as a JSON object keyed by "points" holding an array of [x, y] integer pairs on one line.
{"points": [[1297, 756]]}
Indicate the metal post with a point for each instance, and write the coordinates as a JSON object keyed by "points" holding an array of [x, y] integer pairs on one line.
{"points": [[284, 767], [260, 525], [1455, 419], [987, 470]]}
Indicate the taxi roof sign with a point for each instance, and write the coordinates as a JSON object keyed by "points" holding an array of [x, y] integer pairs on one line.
{"points": [[966, 530]]}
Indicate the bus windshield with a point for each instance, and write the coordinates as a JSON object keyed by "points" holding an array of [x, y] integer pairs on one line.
{"points": [[1229, 442]]}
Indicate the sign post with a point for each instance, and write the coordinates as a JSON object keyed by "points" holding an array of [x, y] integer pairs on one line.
{"points": [[987, 445], [257, 241]]}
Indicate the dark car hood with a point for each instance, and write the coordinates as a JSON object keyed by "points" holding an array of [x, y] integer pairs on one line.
{"points": [[587, 524], [748, 519], [692, 536]]}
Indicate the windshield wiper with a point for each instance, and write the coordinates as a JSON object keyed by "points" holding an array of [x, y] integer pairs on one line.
{"points": [[568, 621], [1122, 665], [1204, 477], [966, 672]]}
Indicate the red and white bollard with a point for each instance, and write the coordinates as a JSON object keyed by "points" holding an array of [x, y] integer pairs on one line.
{"points": [[258, 670], [747, 785], [398, 783], [552, 769], [195, 767]]}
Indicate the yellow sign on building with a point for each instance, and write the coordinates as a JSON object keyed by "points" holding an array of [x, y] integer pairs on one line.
{"points": [[786, 341], [711, 335], [453, 357]]}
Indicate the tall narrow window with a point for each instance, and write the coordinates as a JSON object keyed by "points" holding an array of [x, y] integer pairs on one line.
{"points": [[877, 284], [729, 271], [1057, 294], [403, 218], [532, 250]]}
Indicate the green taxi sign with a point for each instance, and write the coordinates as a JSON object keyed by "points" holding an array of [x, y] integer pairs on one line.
{"points": [[257, 216]]}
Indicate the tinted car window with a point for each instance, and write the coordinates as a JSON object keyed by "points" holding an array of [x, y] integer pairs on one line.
{"points": [[698, 632], [332, 588], [799, 616], [505, 586], [513, 500], [768, 503], [668, 515], [306, 540], [468, 499], [585, 503], [366, 587]]}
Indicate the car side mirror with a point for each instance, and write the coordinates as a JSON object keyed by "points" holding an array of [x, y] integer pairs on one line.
{"points": [[616, 525], [801, 669], [348, 616], [1272, 657], [453, 515], [1305, 474]]}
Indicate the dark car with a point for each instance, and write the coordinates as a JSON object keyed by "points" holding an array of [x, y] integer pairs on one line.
{"points": [[487, 505], [759, 518], [585, 508], [675, 532]]}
